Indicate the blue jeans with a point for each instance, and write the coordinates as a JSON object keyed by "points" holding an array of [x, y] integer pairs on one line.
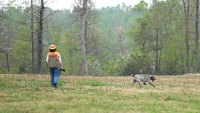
{"points": [[54, 74]]}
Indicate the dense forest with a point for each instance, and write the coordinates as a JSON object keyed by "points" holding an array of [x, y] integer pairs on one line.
{"points": [[161, 38]]}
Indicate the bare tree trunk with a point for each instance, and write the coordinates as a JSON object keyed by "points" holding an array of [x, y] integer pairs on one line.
{"points": [[83, 14], [197, 36], [32, 40], [120, 32], [156, 65], [120, 43], [186, 13], [7, 64], [40, 38]]}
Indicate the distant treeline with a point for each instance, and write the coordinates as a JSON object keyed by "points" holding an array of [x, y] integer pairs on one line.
{"points": [[159, 39]]}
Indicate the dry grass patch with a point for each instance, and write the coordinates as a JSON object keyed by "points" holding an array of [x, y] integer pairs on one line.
{"points": [[88, 94]]}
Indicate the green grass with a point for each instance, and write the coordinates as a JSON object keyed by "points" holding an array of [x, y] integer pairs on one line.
{"points": [[87, 94]]}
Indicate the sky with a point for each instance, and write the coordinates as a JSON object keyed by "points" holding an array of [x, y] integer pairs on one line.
{"points": [[67, 4]]}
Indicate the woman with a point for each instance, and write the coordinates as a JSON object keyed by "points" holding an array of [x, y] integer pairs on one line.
{"points": [[54, 63]]}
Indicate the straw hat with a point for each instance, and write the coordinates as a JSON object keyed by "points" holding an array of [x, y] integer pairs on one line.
{"points": [[52, 47]]}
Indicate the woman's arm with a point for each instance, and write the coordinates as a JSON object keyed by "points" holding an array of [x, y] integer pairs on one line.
{"points": [[47, 59], [60, 59]]}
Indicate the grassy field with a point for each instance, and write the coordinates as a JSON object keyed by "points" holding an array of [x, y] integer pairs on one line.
{"points": [[89, 94]]}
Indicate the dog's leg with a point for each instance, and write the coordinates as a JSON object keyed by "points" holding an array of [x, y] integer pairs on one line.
{"points": [[134, 81], [151, 84], [139, 84]]}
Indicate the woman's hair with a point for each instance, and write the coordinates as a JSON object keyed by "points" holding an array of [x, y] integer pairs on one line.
{"points": [[52, 50]]}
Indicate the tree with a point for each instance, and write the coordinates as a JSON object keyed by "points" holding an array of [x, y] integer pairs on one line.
{"points": [[32, 39], [186, 6], [160, 30], [197, 36], [121, 32], [83, 16], [40, 37]]}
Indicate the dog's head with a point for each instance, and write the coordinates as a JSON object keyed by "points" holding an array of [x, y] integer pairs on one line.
{"points": [[152, 78]]}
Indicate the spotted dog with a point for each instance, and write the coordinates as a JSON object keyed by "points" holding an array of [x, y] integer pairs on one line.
{"points": [[143, 78]]}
